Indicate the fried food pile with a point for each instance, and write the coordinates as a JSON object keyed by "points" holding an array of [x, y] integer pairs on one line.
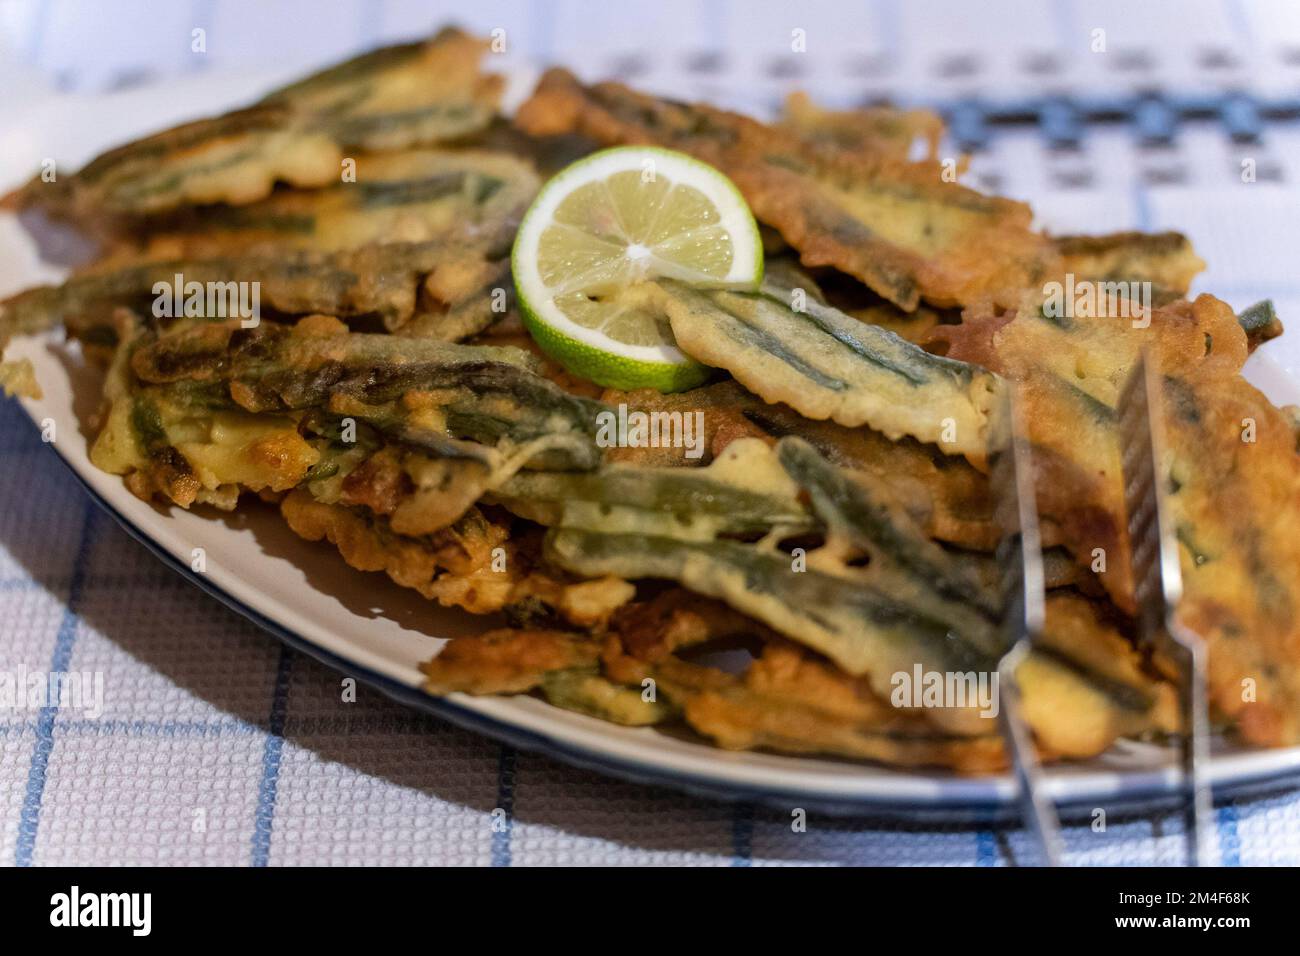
{"points": [[836, 530]]}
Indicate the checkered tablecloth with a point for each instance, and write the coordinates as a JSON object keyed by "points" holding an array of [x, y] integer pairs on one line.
{"points": [[223, 747]]}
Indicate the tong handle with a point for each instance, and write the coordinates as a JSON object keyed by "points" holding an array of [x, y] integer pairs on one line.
{"points": [[1024, 611], [1157, 589]]}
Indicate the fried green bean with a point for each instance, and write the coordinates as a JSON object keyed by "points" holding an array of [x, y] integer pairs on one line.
{"points": [[861, 629], [409, 196], [1260, 323], [418, 390], [393, 98], [378, 280], [734, 495], [1164, 259], [863, 509], [827, 365], [586, 692], [1083, 668]]}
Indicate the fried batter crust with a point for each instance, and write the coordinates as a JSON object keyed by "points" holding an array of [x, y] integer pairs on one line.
{"points": [[453, 567], [506, 661], [473, 564]]}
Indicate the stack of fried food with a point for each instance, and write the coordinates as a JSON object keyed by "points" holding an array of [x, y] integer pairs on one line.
{"points": [[839, 526]]}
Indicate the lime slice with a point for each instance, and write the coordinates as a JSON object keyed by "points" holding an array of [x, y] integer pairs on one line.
{"points": [[609, 222]]}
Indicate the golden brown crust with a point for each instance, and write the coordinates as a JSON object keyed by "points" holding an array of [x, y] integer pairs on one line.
{"points": [[453, 567], [506, 661]]}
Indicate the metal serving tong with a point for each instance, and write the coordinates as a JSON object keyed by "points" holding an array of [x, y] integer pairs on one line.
{"points": [[1157, 576], [1158, 586], [1020, 555]]}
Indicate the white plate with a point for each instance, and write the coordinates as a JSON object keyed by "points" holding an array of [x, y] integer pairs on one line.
{"points": [[364, 625]]}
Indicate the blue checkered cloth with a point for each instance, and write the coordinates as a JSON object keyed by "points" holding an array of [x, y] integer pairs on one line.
{"points": [[217, 745]]}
